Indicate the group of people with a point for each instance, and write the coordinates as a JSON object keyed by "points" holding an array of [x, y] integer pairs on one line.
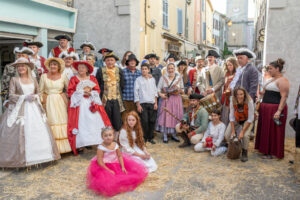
{"points": [[69, 101]]}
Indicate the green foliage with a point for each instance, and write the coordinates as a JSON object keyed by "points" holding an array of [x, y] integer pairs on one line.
{"points": [[226, 51]]}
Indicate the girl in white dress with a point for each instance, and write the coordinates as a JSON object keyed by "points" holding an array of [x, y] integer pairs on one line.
{"points": [[132, 141], [213, 137]]}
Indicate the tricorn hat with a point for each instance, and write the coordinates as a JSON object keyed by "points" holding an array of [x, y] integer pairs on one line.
{"points": [[36, 43], [150, 55], [199, 58], [244, 51], [196, 96], [212, 53], [72, 54], [64, 36], [90, 67], [132, 57], [111, 55], [24, 50], [103, 50], [87, 44], [60, 62], [23, 60]]}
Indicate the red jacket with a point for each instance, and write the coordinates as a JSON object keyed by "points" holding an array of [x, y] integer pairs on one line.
{"points": [[56, 51]]}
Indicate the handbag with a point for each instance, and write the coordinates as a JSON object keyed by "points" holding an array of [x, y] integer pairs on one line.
{"points": [[234, 148]]}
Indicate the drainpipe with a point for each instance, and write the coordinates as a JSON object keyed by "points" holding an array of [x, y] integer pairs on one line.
{"points": [[145, 11]]}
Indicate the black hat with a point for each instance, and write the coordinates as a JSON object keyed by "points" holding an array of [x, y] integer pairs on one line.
{"points": [[182, 62], [59, 37], [132, 57], [150, 55], [244, 51], [172, 56], [103, 50], [212, 53], [196, 96], [111, 55], [87, 44], [27, 43]]}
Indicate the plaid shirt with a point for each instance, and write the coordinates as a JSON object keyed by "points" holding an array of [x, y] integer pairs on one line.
{"points": [[129, 79]]}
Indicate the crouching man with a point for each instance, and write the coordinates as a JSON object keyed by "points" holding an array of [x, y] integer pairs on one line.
{"points": [[194, 122]]}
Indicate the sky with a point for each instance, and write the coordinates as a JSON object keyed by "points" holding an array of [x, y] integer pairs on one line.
{"points": [[220, 5]]}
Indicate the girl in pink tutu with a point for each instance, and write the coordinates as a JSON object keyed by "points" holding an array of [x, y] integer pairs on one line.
{"points": [[112, 172]]}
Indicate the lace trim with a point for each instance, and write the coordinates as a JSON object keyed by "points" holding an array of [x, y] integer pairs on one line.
{"points": [[95, 98], [14, 114], [76, 99]]}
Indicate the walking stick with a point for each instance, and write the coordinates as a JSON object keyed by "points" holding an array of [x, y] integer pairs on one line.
{"points": [[165, 109]]}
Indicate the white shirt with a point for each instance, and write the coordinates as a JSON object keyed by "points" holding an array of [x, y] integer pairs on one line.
{"points": [[216, 132], [238, 73], [51, 55], [145, 90], [69, 72]]}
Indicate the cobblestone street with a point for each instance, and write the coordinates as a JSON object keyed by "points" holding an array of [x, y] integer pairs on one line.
{"points": [[182, 174]]}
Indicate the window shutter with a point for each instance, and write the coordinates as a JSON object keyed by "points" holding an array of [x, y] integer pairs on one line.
{"points": [[179, 21]]}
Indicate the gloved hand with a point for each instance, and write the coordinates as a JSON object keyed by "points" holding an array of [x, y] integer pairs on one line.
{"points": [[30, 97]]}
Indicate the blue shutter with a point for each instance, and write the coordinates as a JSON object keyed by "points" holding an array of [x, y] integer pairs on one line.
{"points": [[179, 21]]}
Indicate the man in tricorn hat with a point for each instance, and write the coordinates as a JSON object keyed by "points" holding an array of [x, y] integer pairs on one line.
{"points": [[69, 59], [104, 51], [154, 71], [36, 59], [246, 74], [63, 46], [111, 82], [214, 75], [87, 48], [194, 122]]}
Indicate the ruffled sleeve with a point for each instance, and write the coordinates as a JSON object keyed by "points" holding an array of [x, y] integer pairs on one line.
{"points": [[125, 143]]}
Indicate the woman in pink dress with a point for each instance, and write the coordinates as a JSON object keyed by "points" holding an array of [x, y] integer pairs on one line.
{"points": [[170, 87], [112, 172]]}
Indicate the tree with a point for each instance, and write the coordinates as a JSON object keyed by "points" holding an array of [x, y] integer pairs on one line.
{"points": [[226, 51]]}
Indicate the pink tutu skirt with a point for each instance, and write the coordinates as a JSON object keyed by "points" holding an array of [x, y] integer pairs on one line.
{"points": [[107, 184]]}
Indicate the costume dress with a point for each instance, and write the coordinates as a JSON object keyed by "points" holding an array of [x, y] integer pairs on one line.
{"points": [[105, 183], [25, 137], [150, 164], [86, 115], [56, 105]]}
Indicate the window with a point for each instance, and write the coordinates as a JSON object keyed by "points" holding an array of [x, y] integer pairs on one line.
{"points": [[179, 21], [165, 14], [204, 31]]}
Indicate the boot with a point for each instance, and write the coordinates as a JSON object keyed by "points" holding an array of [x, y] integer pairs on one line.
{"points": [[244, 157], [186, 141]]}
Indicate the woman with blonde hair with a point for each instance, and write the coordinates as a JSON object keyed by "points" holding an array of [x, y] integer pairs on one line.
{"points": [[53, 86], [25, 136], [230, 68]]}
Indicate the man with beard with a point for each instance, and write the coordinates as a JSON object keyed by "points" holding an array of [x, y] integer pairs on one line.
{"points": [[64, 46], [194, 122]]}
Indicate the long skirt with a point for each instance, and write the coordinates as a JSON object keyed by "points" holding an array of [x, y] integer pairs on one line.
{"points": [[270, 137], [166, 123], [107, 184]]}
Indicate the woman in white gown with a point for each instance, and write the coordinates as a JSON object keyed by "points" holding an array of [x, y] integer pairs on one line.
{"points": [[132, 141], [86, 114], [25, 137]]}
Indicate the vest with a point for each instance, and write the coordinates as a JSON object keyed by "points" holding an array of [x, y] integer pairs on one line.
{"points": [[241, 116], [105, 92]]}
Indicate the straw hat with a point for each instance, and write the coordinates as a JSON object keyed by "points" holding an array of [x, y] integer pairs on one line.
{"points": [[23, 61], [60, 62]]}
